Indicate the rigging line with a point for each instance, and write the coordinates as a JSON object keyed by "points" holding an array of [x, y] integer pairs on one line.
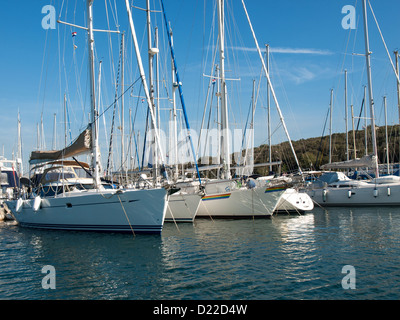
{"points": [[180, 92], [133, 128], [132, 134], [208, 123], [115, 101], [271, 87], [359, 117], [115, 105], [320, 150], [384, 43], [59, 65], [145, 137], [210, 83], [123, 208]]}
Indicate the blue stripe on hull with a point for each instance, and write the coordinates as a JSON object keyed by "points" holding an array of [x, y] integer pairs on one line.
{"points": [[101, 228]]}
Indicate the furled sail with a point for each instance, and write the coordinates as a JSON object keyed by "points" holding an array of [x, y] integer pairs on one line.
{"points": [[82, 144], [366, 161]]}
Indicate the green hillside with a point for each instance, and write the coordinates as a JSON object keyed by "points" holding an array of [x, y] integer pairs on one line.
{"points": [[314, 152]]}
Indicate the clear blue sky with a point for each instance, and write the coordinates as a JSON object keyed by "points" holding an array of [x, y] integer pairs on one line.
{"points": [[310, 50]]}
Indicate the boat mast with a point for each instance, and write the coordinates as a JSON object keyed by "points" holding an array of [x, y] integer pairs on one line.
{"points": [[55, 132], [178, 82], [225, 157], [143, 77], [174, 114], [330, 126], [19, 152], [370, 93], [65, 120], [396, 53], [93, 114], [354, 133], [122, 101], [269, 114], [152, 52], [272, 89], [365, 121], [386, 135], [346, 115]]}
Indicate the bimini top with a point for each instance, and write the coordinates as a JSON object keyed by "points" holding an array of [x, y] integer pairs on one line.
{"points": [[366, 161], [81, 145]]}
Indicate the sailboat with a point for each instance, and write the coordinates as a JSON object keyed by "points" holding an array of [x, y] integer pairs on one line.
{"points": [[9, 183], [226, 197], [343, 191], [183, 204], [293, 199], [65, 200]]}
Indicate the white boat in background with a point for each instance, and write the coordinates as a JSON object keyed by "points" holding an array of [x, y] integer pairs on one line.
{"points": [[382, 191], [62, 199], [292, 200], [342, 191], [9, 184], [226, 197], [231, 199], [182, 207]]}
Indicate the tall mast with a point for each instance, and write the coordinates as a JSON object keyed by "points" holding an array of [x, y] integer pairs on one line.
{"points": [[224, 109], [55, 132], [37, 136], [346, 115], [65, 120], [189, 136], [174, 114], [151, 52], [272, 89], [370, 93], [143, 77], [354, 133], [330, 127], [269, 114], [365, 121], [19, 151], [396, 53], [93, 113], [42, 139], [158, 116], [130, 167], [386, 136], [122, 101]]}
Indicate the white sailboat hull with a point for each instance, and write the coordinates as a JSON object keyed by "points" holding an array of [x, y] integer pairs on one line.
{"points": [[371, 195], [294, 201], [142, 211], [240, 203], [182, 207]]}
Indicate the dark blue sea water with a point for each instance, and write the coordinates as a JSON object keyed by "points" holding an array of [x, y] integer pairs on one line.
{"points": [[286, 257]]}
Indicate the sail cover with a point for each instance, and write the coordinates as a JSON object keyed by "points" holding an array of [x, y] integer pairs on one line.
{"points": [[81, 145], [366, 161]]}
